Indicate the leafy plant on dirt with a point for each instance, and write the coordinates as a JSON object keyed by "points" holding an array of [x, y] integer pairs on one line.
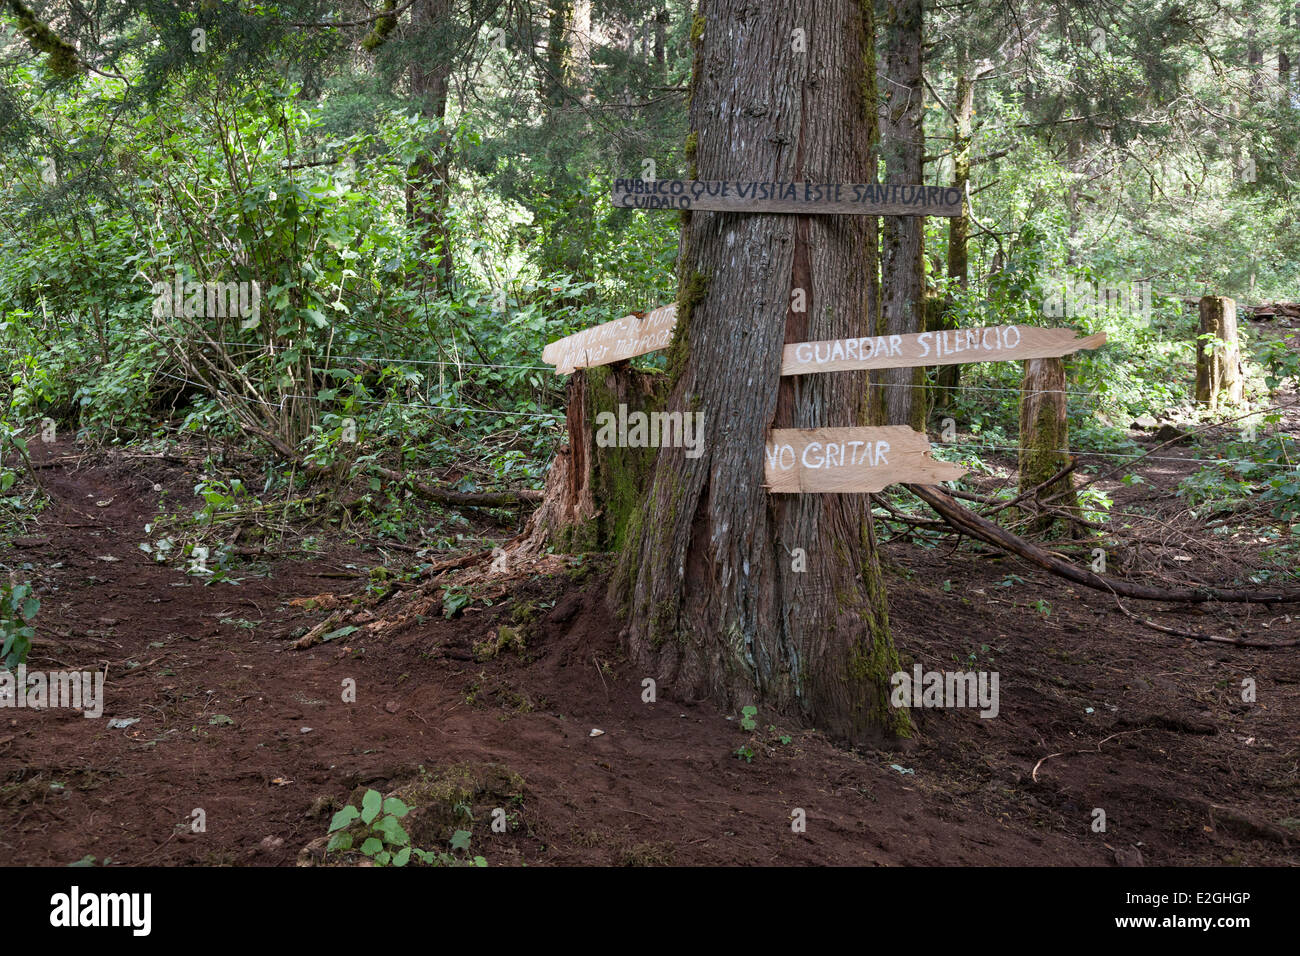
{"points": [[455, 600], [747, 715], [18, 608], [11, 437], [385, 841], [745, 751]]}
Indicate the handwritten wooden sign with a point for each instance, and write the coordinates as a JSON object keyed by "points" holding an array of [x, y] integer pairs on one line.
{"points": [[949, 347], [614, 341], [846, 460], [861, 199]]}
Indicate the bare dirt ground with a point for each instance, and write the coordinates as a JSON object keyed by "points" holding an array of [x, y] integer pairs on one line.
{"points": [[1149, 727]]}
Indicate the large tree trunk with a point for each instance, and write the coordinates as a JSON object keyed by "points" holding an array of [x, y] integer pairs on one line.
{"points": [[899, 398], [716, 602], [426, 188]]}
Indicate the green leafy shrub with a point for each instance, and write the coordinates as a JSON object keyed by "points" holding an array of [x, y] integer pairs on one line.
{"points": [[384, 841], [18, 608]]}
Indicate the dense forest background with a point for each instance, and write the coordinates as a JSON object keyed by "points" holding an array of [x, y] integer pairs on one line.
{"points": [[415, 198]]}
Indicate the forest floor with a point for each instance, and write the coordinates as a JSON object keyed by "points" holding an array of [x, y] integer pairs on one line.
{"points": [[1149, 727], [1097, 710]]}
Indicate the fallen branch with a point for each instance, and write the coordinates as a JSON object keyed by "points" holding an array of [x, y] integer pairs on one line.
{"points": [[1033, 492], [1212, 638], [315, 635], [1092, 750], [966, 521], [465, 499]]}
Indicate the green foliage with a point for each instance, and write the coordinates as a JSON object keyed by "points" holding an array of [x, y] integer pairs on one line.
{"points": [[1283, 361], [383, 839], [455, 600], [1264, 472], [18, 608], [748, 713]]}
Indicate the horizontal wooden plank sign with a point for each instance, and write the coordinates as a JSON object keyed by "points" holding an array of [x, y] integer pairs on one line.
{"points": [[861, 199], [614, 341], [996, 343], [846, 460]]}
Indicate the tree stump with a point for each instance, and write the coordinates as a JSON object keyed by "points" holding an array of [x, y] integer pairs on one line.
{"points": [[1218, 363], [592, 491], [1045, 438]]}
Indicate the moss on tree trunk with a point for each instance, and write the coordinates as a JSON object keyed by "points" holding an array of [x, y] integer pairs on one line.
{"points": [[592, 493], [1218, 360], [1045, 438]]}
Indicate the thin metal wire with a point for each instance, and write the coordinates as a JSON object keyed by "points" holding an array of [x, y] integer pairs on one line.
{"points": [[442, 408], [1113, 454], [556, 416]]}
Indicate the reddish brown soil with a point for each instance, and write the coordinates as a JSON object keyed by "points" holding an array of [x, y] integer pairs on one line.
{"points": [[1148, 727]]}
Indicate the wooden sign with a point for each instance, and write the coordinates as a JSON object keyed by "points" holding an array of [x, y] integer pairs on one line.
{"points": [[614, 341], [948, 347], [860, 199], [851, 459]]}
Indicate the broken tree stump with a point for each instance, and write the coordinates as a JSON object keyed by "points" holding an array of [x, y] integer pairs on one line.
{"points": [[591, 491], [1218, 361]]}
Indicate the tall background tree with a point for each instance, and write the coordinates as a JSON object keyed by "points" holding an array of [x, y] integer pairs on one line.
{"points": [[898, 396]]}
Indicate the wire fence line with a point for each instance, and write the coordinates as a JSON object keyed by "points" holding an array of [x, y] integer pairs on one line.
{"points": [[399, 361], [554, 416], [946, 444], [1117, 454], [448, 363], [358, 401]]}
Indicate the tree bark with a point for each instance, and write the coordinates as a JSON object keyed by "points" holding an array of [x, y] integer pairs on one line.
{"points": [[591, 492], [557, 54], [1284, 59], [718, 604], [949, 376], [871, 95], [661, 42], [427, 181], [1218, 366], [898, 398], [1045, 437]]}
